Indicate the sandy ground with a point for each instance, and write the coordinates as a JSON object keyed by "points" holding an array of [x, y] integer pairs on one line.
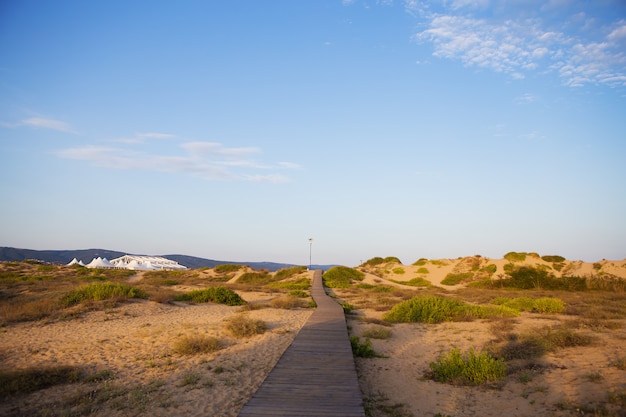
{"points": [[565, 385], [132, 345], [134, 342]]}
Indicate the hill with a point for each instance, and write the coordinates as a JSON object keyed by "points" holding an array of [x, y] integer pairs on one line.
{"points": [[86, 255]]}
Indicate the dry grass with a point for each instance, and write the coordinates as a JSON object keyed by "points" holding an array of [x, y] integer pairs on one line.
{"points": [[196, 344], [242, 326]]}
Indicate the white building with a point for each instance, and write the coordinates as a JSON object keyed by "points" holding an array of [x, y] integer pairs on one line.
{"points": [[134, 262]]}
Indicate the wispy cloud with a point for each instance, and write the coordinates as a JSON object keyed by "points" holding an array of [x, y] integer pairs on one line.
{"points": [[516, 43], [41, 123], [207, 160]]}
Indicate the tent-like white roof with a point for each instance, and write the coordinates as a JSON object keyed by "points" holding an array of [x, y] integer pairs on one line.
{"points": [[99, 263]]}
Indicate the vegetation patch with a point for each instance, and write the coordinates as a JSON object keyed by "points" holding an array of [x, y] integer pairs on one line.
{"points": [[469, 368], [341, 277], [289, 272], [34, 379], [515, 256], [298, 284], [101, 291], [454, 279], [220, 295], [537, 305], [243, 326], [377, 332], [192, 345], [553, 258], [362, 350], [227, 268], [255, 278], [420, 262], [288, 302], [435, 309], [414, 282]]}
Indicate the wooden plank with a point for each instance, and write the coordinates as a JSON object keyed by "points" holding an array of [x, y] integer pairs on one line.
{"points": [[316, 375]]}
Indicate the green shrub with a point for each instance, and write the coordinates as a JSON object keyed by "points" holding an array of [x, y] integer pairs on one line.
{"points": [[255, 278], [242, 326], [398, 271], [377, 332], [538, 305], [414, 282], [420, 262], [423, 270], [469, 368], [191, 345], [299, 284], [298, 293], [435, 309], [454, 279], [377, 260], [548, 305], [289, 272], [362, 350], [489, 269], [227, 268], [393, 259], [553, 258], [218, 295], [101, 291], [515, 256], [341, 277], [428, 309]]}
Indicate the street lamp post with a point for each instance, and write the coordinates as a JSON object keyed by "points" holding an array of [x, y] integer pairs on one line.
{"points": [[310, 249]]}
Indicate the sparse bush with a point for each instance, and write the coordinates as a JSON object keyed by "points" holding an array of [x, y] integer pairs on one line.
{"points": [[299, 284], [242, 326], [435, 309], [470, 368], [288, 302], [191, 345], [377, 332], [420, 262], [34, 379], [255, 278], [289, 272], [362, 350], [218, 295], [227, 268], [620, 363], [298, 293], [398, 271], [553, 258], [454, 279], [415, 282], [423, 270], [539, 305], [101, 291], [515, 256], [341, 277]]}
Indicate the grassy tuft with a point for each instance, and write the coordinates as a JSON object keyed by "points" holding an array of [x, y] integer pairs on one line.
{"points": [[218, 295], [101, 291], [289, 302], [362, 350], [242, 326], [377, 332], [468, 368], [435, 309], [191, 345], [341, 277], [33, 379], [454, 279]]}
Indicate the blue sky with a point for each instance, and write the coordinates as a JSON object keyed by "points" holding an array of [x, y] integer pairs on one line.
{"points": [[236, 130]]}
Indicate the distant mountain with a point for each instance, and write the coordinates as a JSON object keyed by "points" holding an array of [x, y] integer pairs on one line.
{"points": [[86, 255]]}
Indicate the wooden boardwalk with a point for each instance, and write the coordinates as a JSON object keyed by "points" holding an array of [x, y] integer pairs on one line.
{"points": [[316, 375]]}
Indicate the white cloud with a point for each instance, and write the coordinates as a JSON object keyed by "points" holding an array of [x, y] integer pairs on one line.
{"points": [[207, 160], [41, 123], [590, 53]]}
